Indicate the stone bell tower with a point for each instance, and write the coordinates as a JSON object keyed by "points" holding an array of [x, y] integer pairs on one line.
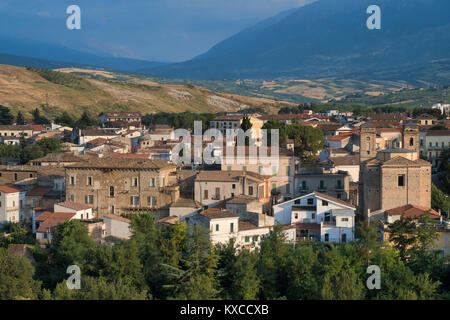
{"points": [[411, 140]]}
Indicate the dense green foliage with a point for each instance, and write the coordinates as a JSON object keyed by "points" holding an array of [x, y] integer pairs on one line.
{"points": [[440, 201], [307, 140], [6, 118], [181, 263], [444, 171], [26, 152]]}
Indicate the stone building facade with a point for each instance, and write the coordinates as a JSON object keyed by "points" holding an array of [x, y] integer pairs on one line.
{"points": [[392, 178], [114, 186]]}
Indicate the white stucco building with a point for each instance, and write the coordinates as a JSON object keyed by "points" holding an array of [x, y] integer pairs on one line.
{"points": [[316, 216], [12, 204]]}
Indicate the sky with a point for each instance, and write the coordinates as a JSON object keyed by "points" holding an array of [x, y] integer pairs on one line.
{"points": [[155, 30]]}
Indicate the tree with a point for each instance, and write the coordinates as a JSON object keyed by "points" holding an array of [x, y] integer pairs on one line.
{"points": [[444, 168], [281, 127], [50, 145], [440, 201], [20, 120], [403, 236], [246, 125], [16, 278], [100, 289], [308, 140], [245, 282], [86, 121], [6, 118], [195, 278], [65, 120], [272, 259], [31, 152], [38, 119]]}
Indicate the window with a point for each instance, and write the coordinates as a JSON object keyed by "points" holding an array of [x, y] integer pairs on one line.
{"points": [[288, 170], [324, 203], [401, 180], [313, 216], [255, 238], [244, 168], [339, 184], [344, 219], [344, 238], [247, 239], [310, 201], [274, 170], [288, 188], [217, 227], [274, 186], [72, 181], [327, 237], [134, 201], [89, 181], [82, 216], [321, 185], [72, 198], [111, 192], [304, 185], [232, 227], [233, 186], [217, 193], [228, 168], [411, 142], [295, 215], [164, 181], [20, 204], [15, 177], [31, 175], [205, 194], [134, 182], [431, 144], [260, 169], [250, 191], [112, 209], [153, 182], [89, 199]]}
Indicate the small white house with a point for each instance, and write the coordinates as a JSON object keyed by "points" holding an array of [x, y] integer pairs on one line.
{"points": [[224, 226], [117, 227], [81, 211], [183, 208], [317, 216], [12, 204]]}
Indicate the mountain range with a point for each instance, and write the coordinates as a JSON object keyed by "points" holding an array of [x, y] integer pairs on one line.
{"points": [[329, 38], [324, 39]]}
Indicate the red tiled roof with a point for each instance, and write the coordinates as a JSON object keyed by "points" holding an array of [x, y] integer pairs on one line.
{"points": [[55, 216], [7, 189], [412, 211], [52, 220], [37, 127], [341, 136]]}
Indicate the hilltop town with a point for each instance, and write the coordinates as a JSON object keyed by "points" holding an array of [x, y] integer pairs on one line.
{"points": [[335, 172]]}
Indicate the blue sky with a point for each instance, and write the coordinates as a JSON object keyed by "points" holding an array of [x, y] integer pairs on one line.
{"points": [[160, 30]]}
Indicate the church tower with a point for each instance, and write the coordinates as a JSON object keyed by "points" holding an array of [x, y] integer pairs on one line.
{"points": [[367, 146], [411, 140]]}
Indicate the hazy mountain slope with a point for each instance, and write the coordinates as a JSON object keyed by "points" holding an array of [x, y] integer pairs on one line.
{"points": [[329, 38], [22, 89], [66, 56]]}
